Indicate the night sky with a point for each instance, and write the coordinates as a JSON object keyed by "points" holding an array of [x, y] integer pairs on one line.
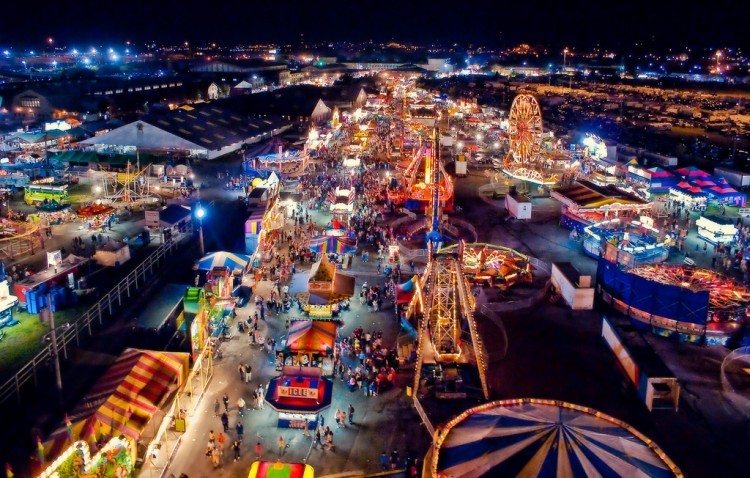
{"points": [[613, 23]]}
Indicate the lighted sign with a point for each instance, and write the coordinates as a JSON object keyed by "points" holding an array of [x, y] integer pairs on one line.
{"points": [[298, 392]]}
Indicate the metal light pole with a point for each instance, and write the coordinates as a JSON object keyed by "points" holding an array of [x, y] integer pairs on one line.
{"points": [[52, 336], [199, 214]]}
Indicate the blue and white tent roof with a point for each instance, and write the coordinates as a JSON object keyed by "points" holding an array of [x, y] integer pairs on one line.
{"points": [[236, 262], [544, 438]]}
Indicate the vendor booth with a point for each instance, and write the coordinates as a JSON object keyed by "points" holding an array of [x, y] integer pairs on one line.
{"points": [[61, 274], [688, 195], [115, 460], [127, 402], [309, 343], [299, 394], [194, 319]]}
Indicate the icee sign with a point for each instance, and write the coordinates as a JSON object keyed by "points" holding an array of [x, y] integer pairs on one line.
{"points": [[298, 392]]}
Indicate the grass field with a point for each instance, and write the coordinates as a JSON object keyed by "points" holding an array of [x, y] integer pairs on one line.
{"points": [[80, 193], [23, 341]]}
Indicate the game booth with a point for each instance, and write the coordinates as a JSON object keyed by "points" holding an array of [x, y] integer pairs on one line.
{"points": [[322, 289], [268, 469], [309, 343], [299, 394], [194, 319], [128, 404], [115, 460]]}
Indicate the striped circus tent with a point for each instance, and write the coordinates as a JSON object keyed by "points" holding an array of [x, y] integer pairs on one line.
{"points": [[314, 336], [125, 399], [543, 438]]}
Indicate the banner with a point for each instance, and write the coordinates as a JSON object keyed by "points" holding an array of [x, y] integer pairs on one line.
{"points": [[298, 392]]}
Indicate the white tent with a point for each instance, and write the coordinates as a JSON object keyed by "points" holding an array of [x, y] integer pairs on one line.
{"points": [[142, 135]]}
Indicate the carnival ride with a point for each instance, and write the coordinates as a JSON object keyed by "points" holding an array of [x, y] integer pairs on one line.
{"points": [[416, 189], [451, 362], [636, 243], [533, 437], [694, 304], [493, 265], [129, 187], [724, 293], [526, 160]]}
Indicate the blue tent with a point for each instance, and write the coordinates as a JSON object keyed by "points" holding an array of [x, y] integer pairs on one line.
{"points": [[234, 261]]}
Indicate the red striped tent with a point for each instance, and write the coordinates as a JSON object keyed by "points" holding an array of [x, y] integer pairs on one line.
{"points": [[125, 399], [312, 336]]}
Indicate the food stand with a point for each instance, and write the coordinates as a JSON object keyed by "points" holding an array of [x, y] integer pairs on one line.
{"points": [[309, 343], [299, 394]]}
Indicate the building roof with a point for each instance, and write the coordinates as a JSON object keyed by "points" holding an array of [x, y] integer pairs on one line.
{"points": [[587, 195], [207, 126], [141, 134]]}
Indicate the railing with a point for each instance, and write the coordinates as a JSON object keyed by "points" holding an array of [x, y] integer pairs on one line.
{"points": [[95, 315]]}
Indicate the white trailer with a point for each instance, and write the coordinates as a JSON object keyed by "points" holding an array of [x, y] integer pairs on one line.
{"points": [[518, 206]]}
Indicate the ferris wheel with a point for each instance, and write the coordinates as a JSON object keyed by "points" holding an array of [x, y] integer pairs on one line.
{"points": [[524, 129]]}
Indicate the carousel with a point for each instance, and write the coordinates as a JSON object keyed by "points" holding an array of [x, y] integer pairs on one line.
{"points": [[530, 437]]}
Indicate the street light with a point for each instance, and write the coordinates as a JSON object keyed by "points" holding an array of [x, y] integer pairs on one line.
{"points": [[200, 213]]}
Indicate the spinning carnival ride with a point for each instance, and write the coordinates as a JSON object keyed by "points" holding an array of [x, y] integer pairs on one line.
{"points": [[416, 188], [525, 160]]}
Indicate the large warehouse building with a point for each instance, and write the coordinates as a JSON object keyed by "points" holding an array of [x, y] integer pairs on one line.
{"points": [[203, 131]]}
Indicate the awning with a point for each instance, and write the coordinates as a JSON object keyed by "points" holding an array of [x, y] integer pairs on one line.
{"points": [[125, 399], [313, 336], [234, 261]]}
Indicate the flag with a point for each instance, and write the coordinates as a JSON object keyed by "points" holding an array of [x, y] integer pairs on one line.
{"points": [[8, 471], [40, 449], [69, 427]]}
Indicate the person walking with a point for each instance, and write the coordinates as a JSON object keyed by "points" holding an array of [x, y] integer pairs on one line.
{"points": [[240, 428], [282, 446], [351, 414], [338, 418], [258, 450], [225, 399], [241, 406], [248, 372], [317, 438], [216, 458], [217, 407], [225, 421], [221, 439], [236, 448], [241, 370], [384, 460]]}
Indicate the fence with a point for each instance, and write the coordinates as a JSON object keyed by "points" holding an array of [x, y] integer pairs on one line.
{"points": [[95, 315]]}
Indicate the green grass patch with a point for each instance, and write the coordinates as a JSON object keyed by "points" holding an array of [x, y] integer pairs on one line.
{"points": [[23, 341], [80, 193]]}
